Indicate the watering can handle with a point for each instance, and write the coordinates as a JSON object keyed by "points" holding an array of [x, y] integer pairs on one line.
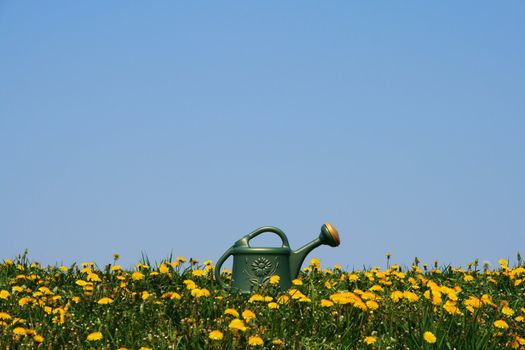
{"points": [[221, 261], [264, 229]]}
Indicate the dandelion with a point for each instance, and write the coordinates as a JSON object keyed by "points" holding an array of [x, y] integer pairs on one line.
{"points": [[198, 293], [316, 263], [372, 305], [396, 296], [216, 335], [163, 268], [326, 303], [38, 338], [256, 297], [189, 284], [277, 342], [5, 316], [137, 276], [507, 311], [237, 325], [370, 340], [145, 295], [353, 277], [248, 315], [255, 341], [20, 331], [105, 301], [297, 282], [410, 296], [501, 324], [429, 337], [198, 273], [4, 294], [273, 305], [275, 279], [232, 312], [468, 278], [94, 336], [93, 277]]}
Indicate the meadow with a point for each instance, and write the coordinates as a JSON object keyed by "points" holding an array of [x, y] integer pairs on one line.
{"points": [[177, 304]]}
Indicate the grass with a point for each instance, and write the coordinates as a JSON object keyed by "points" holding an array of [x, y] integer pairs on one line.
{"points": [[177, 304]]}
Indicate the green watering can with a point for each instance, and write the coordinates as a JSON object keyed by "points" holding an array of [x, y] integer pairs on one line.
{"points": [[253, 266]]}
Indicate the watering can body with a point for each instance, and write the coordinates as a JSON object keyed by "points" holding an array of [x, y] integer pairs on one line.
{"points": [[254, 266]]}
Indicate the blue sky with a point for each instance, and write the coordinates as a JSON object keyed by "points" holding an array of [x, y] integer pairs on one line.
{"points": [[158, 127]]}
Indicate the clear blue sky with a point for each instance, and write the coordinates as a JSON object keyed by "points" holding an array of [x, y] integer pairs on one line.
{"points": [[158, 127]]}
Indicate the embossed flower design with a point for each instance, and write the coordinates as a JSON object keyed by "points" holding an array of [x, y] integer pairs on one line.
{"points": [[261, 267]]}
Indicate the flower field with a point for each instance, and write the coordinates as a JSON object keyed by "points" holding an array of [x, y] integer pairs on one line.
{"points": [[177, 304]]}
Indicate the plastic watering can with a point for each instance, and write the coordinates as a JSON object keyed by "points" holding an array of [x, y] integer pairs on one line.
{"points": [[253, 266]]}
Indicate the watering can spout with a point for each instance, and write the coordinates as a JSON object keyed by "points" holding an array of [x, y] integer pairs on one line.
{"points": [[328, 236]]}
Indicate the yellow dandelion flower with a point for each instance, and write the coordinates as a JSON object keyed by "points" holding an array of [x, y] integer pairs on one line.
{"points": [[5, 316], [255, 341], [232, 312], [248, 315], [171, 295], [237, 325], [24, 301], [370, 340], [501, 324], [277, 342], [295, 293], [145, 348], [372, 305], [93, 277], [104, 301], [507, 311], [275, 279], [396, 295], [189, 284], [283, 299], [353, 277], [410, 296], [181, 259], [38, 338], [326, 303], [429, 337], [451, 307], [20, 331], [198, 293], [145, 295], [4, 294], [273, 305], [137, 276], [198, 273], [163, 268], [297, 282], [256, 297], [314, 262], [468, 278], [94, 336], [216, 335]]}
